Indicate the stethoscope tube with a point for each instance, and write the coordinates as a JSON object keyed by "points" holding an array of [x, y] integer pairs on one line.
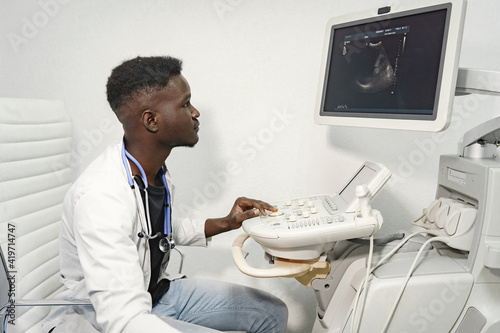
{"points": [[166, 243]]}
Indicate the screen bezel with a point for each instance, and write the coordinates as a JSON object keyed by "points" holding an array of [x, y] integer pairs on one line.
{"points": [[446, 81]]}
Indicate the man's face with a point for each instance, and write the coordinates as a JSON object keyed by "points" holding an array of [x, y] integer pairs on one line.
{"points": [[176, 117]]}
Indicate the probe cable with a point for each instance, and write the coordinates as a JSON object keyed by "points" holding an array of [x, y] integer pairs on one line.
{"points": [[370, 270], [407, 279], [358, 292]]}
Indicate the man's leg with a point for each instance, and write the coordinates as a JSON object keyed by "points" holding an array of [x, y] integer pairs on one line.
{"points": [[223, 306]]}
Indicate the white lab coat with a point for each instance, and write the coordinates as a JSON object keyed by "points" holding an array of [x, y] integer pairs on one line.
{"points": [[103, 258]]}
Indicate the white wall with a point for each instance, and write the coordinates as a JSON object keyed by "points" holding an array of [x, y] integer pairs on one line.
{"points": [[253, 67]]}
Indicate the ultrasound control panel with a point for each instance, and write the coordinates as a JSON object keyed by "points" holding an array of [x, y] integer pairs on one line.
{"points": [[304, 212], [305, 227]]}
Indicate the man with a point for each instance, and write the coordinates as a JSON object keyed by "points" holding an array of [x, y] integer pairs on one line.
{"points": [[119, 224]]}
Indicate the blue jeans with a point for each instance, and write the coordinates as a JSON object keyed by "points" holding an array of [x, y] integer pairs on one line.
{"points": [[205, 306]]}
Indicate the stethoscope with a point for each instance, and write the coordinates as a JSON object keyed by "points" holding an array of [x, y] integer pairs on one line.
{"points": [[167, 242]]}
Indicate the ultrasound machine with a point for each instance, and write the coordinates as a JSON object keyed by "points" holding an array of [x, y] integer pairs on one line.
{"points": [[395, 67]]}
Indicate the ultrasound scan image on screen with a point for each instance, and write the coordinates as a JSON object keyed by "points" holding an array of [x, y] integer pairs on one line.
{"points": [[390, 66]]}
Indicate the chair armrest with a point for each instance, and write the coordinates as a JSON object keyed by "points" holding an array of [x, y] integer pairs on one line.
{"points": [[45, 302]]}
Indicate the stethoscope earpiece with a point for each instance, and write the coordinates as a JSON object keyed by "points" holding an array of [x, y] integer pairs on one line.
{"points": [[143, 235]]}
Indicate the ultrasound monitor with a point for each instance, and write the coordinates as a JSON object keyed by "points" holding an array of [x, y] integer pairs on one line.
{"points": [[394, 67]]}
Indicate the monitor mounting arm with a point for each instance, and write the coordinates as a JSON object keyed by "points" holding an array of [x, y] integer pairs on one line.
{"points": [[483, 140]]}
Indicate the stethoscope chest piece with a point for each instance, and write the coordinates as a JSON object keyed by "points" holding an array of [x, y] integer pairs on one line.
{"points": [[166, 244]]}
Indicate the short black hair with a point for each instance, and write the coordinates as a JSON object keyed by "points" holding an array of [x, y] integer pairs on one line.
{"points": [[140, 75]]}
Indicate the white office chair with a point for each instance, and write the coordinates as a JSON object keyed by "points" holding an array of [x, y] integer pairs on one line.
{"points": [[35, 173]]}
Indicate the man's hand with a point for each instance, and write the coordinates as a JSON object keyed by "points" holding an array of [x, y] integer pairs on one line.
{"points": [[243, 208]]}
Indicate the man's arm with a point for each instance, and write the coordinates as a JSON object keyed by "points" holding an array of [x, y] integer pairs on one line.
{"points": [[243, 208]]}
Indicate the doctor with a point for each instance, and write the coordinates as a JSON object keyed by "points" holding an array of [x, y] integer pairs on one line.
{"points": [[120, 224]]}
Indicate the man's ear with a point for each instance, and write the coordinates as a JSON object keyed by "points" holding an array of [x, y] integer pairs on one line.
{"points": [[149, 121]]}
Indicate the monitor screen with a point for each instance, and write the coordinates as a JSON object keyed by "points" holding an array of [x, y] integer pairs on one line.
{"points": [[393, 70]]}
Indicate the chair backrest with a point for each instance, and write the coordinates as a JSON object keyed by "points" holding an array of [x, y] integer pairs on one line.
{"points": [[35, 174]]}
